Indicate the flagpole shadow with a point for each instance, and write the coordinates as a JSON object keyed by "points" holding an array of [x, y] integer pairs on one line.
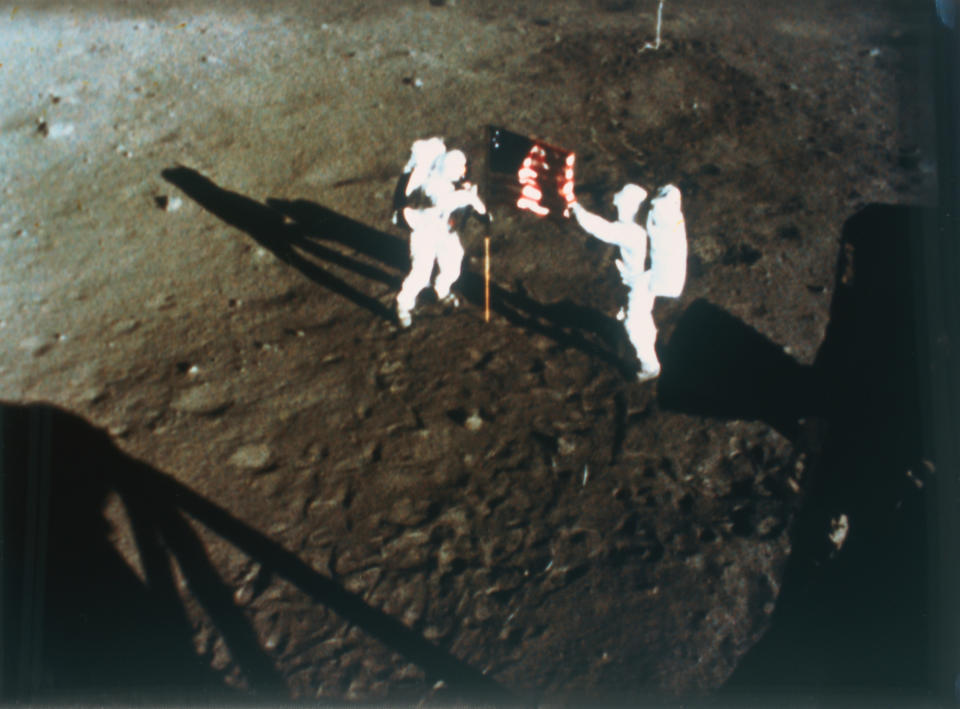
{"points": [[294, 230], [564, 322]]}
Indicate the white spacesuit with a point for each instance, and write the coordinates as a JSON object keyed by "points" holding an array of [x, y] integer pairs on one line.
{"points": [[433, 196], [668, 260], [667, 232]]}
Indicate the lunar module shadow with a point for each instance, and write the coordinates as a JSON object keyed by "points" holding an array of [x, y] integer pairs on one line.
{"points": [[80, 626], [855, 621]]}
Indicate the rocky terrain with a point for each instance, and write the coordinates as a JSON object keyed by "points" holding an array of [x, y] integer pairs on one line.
{"points": [[200, 273]]}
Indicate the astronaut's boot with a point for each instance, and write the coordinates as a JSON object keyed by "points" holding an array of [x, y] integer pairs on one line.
{"points": [[451, 300], [404, 317], [648, 372]]}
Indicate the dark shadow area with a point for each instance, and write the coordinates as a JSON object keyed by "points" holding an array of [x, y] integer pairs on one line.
{"points": [[716, 365], [291, 229], [80, 625], [565, 321], [324, 224], [857, 621], [288, 242]]}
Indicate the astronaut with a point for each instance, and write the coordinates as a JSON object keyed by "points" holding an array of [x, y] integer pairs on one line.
{"points": [[434, 190], [668, 260]]}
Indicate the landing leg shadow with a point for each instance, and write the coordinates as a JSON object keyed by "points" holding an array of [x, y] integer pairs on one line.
{"points": [[79, 625]]}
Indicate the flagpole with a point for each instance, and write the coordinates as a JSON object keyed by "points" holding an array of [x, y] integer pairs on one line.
{"points": [[486, 278]]}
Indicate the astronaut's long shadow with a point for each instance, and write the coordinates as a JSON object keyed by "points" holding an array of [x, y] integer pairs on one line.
{"points": [[564, 321], [859, 620], [80, 625], [294, 230]]}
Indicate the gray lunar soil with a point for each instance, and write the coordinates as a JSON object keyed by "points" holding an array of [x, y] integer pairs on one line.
{"points": [[199, 261]]}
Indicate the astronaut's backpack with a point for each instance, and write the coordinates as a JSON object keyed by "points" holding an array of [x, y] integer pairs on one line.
{"points": [[423, 156], [417, 199]]}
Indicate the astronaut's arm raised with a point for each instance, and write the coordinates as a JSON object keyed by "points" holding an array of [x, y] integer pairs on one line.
{"points": [[595, 225]]}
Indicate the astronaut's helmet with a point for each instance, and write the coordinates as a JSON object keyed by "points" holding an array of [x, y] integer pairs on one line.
{"points": [[425, 152], [667, 199], [628, 201], [454, 165]]}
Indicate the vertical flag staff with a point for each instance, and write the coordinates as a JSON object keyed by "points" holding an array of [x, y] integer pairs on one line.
{"points": [[486, 277]]}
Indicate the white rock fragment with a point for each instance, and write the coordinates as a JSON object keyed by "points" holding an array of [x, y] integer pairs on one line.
{"points": [[473, 422], [839, 528], [201, 399], [253, 456], [36, 345], [169, 204], [55, 130]]}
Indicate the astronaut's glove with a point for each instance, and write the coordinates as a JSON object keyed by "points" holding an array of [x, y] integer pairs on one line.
{"points": [[477, 204]]}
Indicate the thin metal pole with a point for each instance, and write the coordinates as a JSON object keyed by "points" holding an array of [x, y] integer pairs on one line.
{"points": [[486, 279]]}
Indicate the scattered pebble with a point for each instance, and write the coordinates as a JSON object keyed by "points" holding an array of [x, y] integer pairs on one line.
{"points": [[767, 526], [55, 130], [363, 581], [407, 513], [252, 457], [473, 422], [201, 399], [37, 346], [839, 528], [119, 430], [167, 203], [915, 480], [243, 595], [93, 394], [274, 640], [125, 326]]}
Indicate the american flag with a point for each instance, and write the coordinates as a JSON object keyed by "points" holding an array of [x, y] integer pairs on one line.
{"points": [[529, 173]]}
